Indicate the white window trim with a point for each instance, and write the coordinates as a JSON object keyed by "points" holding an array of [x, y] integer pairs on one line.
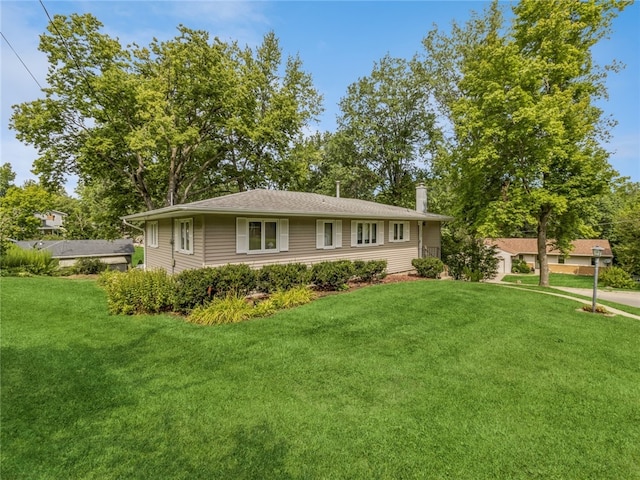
{"points": [[406, 231], [177, 237], [152, 234], [242, 235], [337, 234], [379, 233]]}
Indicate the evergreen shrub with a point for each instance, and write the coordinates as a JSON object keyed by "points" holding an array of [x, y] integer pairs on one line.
{"points": [[88, 266], [194, 288], [272, 278], [332, 275], [369, 271], [519, 266], [428, 267]]}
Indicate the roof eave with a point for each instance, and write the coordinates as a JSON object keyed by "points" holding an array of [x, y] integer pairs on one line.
{"points": [[172, 212]]}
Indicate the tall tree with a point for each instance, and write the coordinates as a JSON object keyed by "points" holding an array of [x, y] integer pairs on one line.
{"points": [[389, 120], [173, 121], [527, 132], [7, 176], [17, 209]]}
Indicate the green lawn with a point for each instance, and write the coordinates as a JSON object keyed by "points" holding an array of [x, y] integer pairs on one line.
{"points": [[555, 280], [138, 256], [429, 379]]}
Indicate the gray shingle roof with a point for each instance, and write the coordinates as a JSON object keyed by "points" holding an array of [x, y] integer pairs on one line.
{"points": [[82, 248], [269, 202]]}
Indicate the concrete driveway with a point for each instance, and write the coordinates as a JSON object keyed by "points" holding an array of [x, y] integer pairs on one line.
{"points": [[624, 298]]}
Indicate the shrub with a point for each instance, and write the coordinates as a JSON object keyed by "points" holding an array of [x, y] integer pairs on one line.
{"points": [[615, 277], [428, 267], [19, 261], [264, 308], [599, 309], [292, 297], [272, 278], [138, 291], [231, 309], [331, 275], [236, 280], [194, 288], [469, 259], [519, 266], [88, 266], [371, 271], [197, 287]]}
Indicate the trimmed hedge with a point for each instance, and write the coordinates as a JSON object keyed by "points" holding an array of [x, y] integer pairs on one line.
{"points": [[332, 275], [138, 291], [428, 267], [371, 271], [195, 288], [272, 278]]}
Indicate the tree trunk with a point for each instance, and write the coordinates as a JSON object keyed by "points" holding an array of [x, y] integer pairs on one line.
{"points": [[542, 246]]}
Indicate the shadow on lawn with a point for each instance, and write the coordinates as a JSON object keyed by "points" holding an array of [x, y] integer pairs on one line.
{"points": [[257, 453], [55, 401]]}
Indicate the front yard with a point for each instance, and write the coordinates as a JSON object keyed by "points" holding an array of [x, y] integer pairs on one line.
{"points": [[427, 379]]}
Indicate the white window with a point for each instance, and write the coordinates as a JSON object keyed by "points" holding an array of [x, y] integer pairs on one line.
{"points": [[365, 233], [183, 238], [152, 234], [328, 234], [262, 235], [399, 231]]}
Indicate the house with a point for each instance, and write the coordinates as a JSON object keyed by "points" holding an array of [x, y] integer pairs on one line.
{"points": [[261, 227], [578, 262], [115, 253], [51, 222]]}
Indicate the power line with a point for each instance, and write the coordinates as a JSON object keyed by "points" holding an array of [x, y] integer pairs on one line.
{"points": [[21, 61]]}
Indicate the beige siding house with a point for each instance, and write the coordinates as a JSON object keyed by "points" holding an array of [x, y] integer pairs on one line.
{"points": [[577, 262], [262, 227]]}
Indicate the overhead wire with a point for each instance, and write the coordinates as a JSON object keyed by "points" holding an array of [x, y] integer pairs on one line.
{"points": [[21, 61]]}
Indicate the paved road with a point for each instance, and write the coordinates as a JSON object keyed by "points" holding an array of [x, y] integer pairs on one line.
{"points": [[624, 298]]}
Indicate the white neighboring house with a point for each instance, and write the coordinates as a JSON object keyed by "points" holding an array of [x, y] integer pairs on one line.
{"points": [[52, 222], [578, 262]]}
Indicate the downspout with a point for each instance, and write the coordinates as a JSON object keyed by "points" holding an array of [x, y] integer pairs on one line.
{"points": [[420, 222], [144, 242]]}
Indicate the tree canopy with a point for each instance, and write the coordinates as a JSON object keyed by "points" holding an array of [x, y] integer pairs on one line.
{"points": [[388, 130], [173, 121], [527, 133]]}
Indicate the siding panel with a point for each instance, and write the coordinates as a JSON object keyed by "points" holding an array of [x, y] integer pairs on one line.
{"points": [[215, 245]]}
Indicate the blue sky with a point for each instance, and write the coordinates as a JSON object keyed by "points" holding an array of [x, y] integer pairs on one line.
{"points": [[338, 43]]}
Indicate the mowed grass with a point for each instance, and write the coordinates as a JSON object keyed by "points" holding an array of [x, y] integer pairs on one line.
{"points": [[430, 379], [555, 280]]}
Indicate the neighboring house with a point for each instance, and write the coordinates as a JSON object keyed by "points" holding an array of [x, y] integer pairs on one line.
{"points": [[579, 261], [115, 253], [51, 222], [261, 227]]}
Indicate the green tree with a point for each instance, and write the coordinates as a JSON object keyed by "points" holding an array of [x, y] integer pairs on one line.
{"points": [[528, 135], [17, 209], [173, 121], [7, 176], [391, 125], [626, 232]]}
